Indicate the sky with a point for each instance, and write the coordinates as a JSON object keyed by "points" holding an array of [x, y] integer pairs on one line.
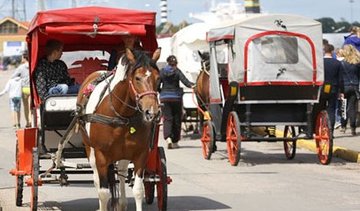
{"points": [[179, 10]]}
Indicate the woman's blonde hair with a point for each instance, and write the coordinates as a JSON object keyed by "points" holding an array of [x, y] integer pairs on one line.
{"points": [[351, 55]]}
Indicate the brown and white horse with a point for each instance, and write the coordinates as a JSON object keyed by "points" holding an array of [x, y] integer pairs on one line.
{"points": [[120, 115]]}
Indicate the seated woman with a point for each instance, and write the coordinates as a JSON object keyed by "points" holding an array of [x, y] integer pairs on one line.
{"points": [[51, 75]]}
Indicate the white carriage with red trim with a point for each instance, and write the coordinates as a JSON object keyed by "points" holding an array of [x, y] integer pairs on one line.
{"points": [[266, 71]]}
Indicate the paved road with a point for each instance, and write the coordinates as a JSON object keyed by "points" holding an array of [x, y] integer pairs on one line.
{"points": [[263, 180]]}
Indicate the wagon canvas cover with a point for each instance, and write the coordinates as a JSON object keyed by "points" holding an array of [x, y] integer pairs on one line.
{"points": [[272, 49]]}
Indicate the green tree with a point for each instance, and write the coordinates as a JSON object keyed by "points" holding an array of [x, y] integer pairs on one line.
{"points": [[328, 24]]}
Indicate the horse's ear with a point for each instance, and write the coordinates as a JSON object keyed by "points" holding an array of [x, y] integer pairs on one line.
{"points": [[156, 55], [200, 54], [130, 56]]}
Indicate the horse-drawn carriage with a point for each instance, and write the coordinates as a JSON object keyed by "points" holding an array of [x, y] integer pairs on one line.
{"points": [[122, 110], [266, 71]]}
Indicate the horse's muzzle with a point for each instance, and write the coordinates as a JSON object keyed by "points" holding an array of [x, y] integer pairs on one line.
{"points": [[151, 115]]}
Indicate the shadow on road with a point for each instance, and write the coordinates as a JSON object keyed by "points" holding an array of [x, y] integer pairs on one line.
{"points": [[179, 203]]}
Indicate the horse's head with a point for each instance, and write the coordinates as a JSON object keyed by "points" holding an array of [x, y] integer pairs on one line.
{"points": [[143, 77], [205, 60]]}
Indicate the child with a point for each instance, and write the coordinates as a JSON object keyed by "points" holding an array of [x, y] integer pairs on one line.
{"points": [[13, 87]]}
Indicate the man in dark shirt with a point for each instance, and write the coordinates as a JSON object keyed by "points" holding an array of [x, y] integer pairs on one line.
{"points": [[51, 75], [333, 84]]}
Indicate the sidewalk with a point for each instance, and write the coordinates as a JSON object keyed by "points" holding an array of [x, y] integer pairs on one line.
{"points": [[346, 146]]}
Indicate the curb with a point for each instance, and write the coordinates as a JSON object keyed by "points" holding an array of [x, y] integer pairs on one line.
{"points": [[339, 152]]}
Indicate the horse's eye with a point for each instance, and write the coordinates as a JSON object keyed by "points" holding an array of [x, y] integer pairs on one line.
{"points": [[137, 78]]}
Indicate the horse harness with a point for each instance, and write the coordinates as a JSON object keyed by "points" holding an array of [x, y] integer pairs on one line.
{"points": [[118, 120]]}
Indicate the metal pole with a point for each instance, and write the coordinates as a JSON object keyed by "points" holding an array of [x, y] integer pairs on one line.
{"points": [[13, 9], [351, 11]]}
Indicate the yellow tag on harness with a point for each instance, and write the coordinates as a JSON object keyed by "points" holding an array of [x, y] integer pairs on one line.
{"points": [[327, 88], [132, 130], [232, 91]]}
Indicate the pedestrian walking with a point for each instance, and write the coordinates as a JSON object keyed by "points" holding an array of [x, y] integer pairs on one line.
{"points": [[351, 75], [22, 71], [171, 96], [13, 88], [333, 84]]}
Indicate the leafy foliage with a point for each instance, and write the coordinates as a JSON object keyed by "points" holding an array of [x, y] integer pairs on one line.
{"points": [[330, 26]]}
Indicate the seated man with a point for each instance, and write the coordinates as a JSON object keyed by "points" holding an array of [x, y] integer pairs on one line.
{"points": [[51, 75], [128, 41]]}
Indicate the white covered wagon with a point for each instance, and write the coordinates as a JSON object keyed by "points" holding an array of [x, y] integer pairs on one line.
{"points": [[270, 74]]}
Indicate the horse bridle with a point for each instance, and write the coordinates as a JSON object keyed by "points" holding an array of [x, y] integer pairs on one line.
{"points": [[138, 97]]}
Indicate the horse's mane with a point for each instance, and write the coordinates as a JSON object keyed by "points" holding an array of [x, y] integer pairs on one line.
{"points": [[142, 60]]}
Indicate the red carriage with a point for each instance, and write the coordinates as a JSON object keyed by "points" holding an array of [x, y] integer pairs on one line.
{"points": [[89, 34]]}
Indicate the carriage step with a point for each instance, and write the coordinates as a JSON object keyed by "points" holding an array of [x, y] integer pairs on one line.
{"points": [[83, 166], [76, 165]]}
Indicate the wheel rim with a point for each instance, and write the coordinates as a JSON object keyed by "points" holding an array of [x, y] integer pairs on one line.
{"points": [[233, 139], [206, 140], [149, 192], [161, 186], [289, 146], [323, 138], [19, 190], [35, 178], [19, 179]]}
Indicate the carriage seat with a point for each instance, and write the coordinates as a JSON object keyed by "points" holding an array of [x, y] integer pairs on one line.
{"points": [[58, 110], [58, 103]]}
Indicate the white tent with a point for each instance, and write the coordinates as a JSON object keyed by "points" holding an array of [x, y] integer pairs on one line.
{"points": [[185, 44]]}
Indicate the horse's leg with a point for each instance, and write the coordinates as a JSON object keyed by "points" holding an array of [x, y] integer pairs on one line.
{"points": [[100, 169], [122, 168], [138, 189]]}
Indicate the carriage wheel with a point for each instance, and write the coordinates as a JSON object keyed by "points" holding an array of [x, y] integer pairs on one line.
{"points": [[207, 139], [35, 178], [233, 138], [161, 186], [19, 190], [289, 146], [19, 180], [323, 138], [149, 192]]}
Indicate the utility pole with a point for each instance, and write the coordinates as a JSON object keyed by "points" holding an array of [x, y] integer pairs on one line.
{"points": [[351, 11], [18, 10]]}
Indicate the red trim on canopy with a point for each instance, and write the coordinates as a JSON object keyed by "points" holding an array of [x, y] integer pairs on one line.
{"points": [[302, 36], [281, 83]]}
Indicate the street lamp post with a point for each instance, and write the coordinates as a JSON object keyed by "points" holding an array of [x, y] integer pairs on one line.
{"points": [[351, 10]]}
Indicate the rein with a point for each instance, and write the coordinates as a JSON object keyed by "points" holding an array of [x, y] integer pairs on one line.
{"points": [[204, 68]]}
